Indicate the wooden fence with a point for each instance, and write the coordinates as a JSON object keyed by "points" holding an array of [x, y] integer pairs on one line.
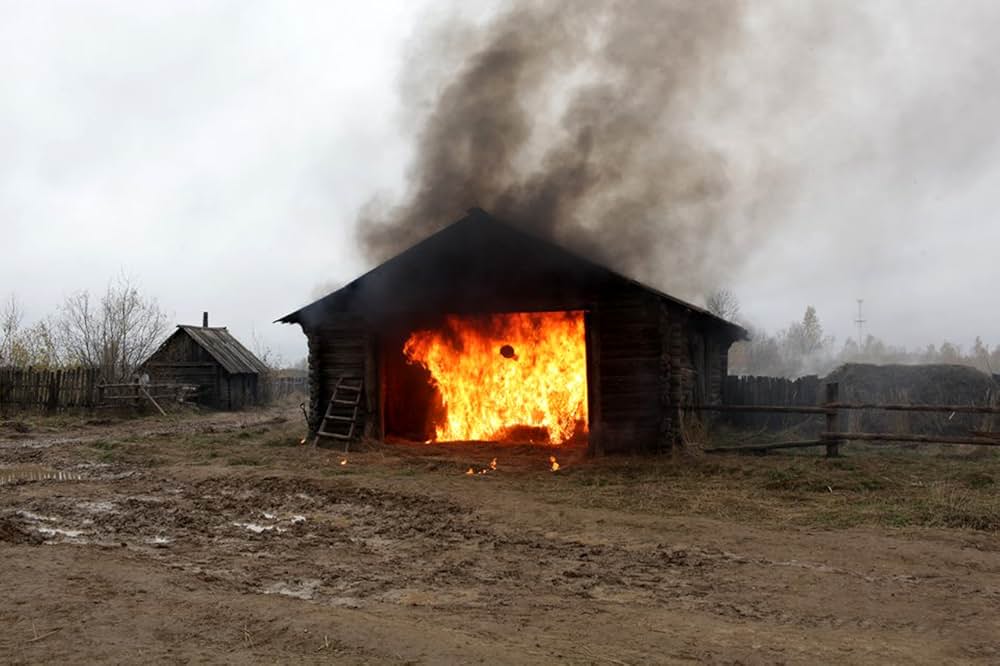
{"points": [[837, 432], [49, 390], [753, 391], [281, 387], [135, 395]]}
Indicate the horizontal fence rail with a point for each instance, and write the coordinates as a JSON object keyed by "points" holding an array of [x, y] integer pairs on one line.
{"points": [[50, 391], [777, 409], [835, 435]]}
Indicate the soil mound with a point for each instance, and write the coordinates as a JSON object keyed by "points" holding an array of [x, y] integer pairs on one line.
{"points": [[918, 385], [12, 531]]}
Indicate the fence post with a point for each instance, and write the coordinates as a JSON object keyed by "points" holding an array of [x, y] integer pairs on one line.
{"points": [[54, 381], [832, 419]]}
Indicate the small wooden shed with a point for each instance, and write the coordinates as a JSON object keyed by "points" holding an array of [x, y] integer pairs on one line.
{"points": [[227, 374]]}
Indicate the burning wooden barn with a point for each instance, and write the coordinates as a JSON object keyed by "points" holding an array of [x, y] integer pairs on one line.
{"points": [[227, 374], [485, 332]]}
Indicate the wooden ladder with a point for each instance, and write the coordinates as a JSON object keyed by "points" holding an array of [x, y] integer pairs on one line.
{"points": [[341, 418]]}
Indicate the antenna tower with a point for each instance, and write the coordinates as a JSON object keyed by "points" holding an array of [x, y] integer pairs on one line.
{"points": [[861, 321]]}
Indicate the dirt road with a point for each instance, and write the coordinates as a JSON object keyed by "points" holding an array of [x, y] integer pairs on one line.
{"points": [[219, 539]]}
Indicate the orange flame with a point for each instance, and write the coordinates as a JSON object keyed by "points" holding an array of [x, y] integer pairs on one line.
{"points": [[500, 373], [553, 465], [492, 467], [343, 461]]}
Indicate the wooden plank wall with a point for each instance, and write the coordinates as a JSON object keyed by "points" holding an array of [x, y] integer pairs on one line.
{"points": [[48, 390], [629, 353]]}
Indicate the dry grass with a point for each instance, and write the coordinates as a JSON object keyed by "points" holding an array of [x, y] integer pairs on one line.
{"points": [[886, 489], [870, 486]]}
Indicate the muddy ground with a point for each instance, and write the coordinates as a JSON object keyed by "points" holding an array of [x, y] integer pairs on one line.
{"points": [[217, 538]]}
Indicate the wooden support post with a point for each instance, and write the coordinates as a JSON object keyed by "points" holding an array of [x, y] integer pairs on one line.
{"points": [[150, 398], [832, 396]]}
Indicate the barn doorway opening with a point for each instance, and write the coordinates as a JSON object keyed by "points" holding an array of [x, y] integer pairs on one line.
{"points": [[511, 377]]}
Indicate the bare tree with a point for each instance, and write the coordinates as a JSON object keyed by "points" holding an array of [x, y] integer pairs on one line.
{"points": [[723, 303], [115, 334], [10, 329], [263, 351]]}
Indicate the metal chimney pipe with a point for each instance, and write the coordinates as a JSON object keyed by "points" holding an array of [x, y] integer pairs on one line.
{"points": [[204, 320]]}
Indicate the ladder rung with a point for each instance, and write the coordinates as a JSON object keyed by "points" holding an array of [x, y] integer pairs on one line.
{"points": [[347, 393], [334, 435], [330, 412]]}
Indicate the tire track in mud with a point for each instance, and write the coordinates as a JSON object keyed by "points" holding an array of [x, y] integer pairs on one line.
{"points": [[334, 542]]}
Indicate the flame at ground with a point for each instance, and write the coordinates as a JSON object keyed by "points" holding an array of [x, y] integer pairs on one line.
{"points": [[553, 464], [506, 372], [492, 467]]}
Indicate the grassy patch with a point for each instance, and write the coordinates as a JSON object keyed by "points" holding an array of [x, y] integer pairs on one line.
{"points": [[282, 440], [103, 445], [893, 489], [243, 461]]}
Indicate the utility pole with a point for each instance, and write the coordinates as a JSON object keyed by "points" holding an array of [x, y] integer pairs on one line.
{"points": [[860, 321]]}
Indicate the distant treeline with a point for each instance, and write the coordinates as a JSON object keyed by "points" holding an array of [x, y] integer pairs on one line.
{"points": [[803, 348]]}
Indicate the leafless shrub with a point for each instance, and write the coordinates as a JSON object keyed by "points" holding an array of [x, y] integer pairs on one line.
{"points": [[25, 346]]}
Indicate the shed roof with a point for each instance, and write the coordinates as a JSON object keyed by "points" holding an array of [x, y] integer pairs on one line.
{"points": [[476, 260], [224, 348]]}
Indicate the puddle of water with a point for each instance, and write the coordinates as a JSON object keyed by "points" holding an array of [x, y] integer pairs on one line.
{"points": [[58, 531], [305, 589], [100, 506], [257, 528], [33, 517], [18, 473]]}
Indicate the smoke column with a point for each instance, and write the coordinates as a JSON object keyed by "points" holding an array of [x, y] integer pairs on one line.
{"points": [[668, 139]]}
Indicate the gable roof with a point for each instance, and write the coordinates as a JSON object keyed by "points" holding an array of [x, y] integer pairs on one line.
{"points": [[449, 269], [224, 348]]}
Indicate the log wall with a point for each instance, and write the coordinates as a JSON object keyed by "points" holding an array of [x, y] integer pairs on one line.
{"points": [[341, 347]]}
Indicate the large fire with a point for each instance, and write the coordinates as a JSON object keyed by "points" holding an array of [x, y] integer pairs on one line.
{"points": [[507, 376]]}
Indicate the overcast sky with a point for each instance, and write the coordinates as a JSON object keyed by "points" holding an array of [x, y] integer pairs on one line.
{"points": [[219, 152]]}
